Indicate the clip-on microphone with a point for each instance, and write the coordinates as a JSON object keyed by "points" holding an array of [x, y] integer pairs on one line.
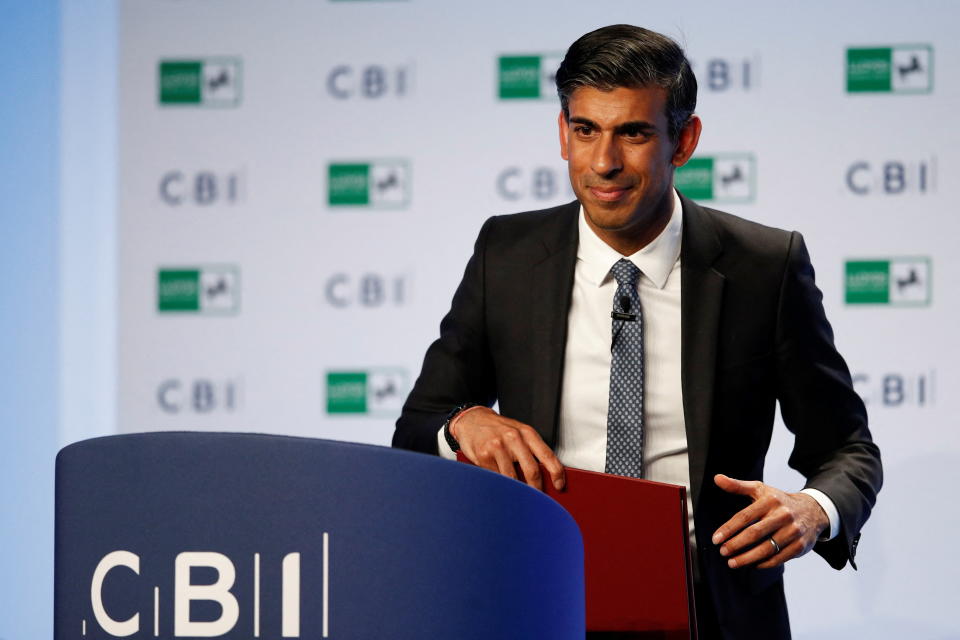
{"points": [[625, 314]]}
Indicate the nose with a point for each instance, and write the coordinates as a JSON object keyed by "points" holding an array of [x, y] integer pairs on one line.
{"points": [[606, 159]]}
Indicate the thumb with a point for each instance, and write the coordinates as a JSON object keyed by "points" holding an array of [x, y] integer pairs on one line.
{"points": [[732, 485]]}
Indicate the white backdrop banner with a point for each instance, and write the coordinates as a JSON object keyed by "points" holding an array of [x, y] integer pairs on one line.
{"points": [[301, 183]]}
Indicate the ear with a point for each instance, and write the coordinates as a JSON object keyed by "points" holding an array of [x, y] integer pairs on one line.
{"points": [[564, 127], [687, 141]]}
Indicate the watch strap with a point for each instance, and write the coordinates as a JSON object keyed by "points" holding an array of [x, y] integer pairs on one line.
{"points": [[451, 441]]}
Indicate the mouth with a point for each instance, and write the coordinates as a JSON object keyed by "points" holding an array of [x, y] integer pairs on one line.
{"points": [[609, 194]]}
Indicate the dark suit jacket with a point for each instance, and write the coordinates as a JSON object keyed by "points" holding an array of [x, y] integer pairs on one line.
{"points": [[753, 332]]}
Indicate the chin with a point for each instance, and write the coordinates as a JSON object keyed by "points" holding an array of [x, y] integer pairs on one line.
{"points": [[611, 216], [611, 223]]}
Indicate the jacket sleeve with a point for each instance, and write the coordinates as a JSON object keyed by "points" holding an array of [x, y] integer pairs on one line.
{"points": [[833, 447], [457, 367]]}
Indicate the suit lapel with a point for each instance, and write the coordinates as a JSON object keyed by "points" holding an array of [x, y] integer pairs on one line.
{"points": [[552, 286], [702, 296]]}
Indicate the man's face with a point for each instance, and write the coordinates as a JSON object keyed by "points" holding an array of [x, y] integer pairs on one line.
{"points": [[621, 158]]}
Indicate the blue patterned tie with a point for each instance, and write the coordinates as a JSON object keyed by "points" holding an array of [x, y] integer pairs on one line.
{"points": [[625, 412]]}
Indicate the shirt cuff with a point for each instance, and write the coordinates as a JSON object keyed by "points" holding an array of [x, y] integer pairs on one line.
{"points": [[443, 448], [828, 507]]}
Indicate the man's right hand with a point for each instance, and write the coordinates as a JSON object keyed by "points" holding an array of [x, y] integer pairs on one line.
{"points": [[493, 442]]}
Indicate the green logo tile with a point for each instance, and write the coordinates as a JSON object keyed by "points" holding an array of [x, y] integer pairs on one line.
{"points": [[895, 69], [895, 281]]}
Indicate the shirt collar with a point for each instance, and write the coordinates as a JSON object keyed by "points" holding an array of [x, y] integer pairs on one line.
{"points": [[655, 260]]}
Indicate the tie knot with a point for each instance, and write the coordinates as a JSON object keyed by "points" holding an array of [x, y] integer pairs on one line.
{"points": [[625, 272]]}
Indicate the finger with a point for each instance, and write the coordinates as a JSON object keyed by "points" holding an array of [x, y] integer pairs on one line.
{"points": [[518, 450], [764, 528], [763, 551], [741, 519], [485, 461], [741, 487], [504, 461], [789, 552], [546, 456]]}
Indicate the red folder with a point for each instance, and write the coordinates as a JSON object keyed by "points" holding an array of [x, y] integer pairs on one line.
{"points": [[638, 570]]}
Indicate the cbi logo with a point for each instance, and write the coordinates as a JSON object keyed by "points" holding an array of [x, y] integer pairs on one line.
{"points": [[207, 290], [721, 75], [214, 592], [370, 82], [892, 177], [377, 392], [202, 188], [903, 282], [200, 396], [721, 178], [206, 82], [531, 76], [892, 69], [897, 390], [533, 183], [378, 184], [367, 290]]}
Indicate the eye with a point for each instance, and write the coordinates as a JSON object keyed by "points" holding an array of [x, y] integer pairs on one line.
{"points": [[583, 130], [636, 134]]}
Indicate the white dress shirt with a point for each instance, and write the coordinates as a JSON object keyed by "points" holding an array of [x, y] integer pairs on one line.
{"points": [[582, 434]]}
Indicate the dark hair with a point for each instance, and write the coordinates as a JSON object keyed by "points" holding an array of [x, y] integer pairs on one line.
{"points": [[623, 55]]}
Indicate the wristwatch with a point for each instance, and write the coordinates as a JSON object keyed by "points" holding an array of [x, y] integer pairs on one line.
{"points": [[454, 445]]}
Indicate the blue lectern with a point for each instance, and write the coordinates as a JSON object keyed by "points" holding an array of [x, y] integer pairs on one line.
{"points": [[169, 535]]}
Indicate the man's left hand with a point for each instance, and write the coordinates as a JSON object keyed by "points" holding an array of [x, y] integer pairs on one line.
{"points": [[793, 521]]}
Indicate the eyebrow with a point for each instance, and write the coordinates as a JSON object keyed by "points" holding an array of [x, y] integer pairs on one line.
{"points": [[634, 125]]}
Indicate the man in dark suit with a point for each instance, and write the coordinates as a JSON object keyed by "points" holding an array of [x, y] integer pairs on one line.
{"points": [[709, 321]]}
